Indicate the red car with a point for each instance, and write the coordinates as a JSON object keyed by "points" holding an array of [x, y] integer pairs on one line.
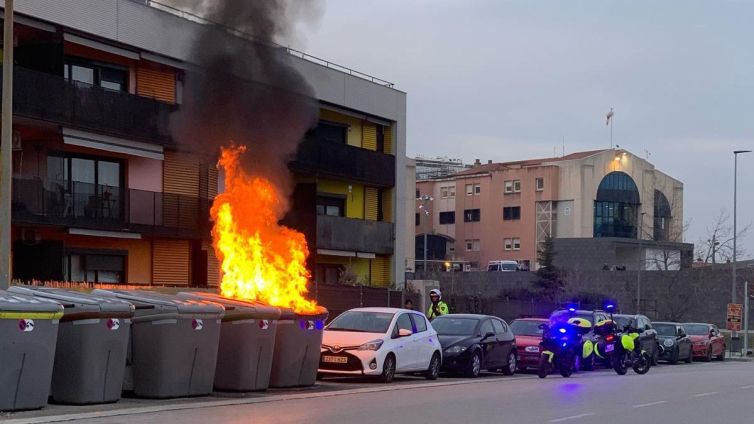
{"points": [[528, 336], [706, 341]]}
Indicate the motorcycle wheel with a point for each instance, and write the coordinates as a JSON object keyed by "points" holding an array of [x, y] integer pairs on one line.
{"points": [[567, 366], [642, 364], [544, 366], [619, 364]]}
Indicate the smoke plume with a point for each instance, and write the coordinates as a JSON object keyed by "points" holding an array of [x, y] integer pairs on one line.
{"points": [[246, 91]]}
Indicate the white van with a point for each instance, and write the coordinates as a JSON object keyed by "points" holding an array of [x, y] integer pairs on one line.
{"points": [[502, 266]]}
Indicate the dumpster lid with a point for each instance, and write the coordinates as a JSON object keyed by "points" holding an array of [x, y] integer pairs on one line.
{"points": [[236, 308], [15, 305], [84, 304], [289, 314], [184, 306]]}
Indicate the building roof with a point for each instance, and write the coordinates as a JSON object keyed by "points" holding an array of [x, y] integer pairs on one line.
{"points": [[492, 167]]}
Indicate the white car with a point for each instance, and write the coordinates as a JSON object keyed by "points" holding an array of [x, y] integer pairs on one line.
{"points": [[380, 342]]}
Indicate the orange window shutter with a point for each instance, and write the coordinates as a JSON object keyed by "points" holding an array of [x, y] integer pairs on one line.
{"points": [[170, 264], [156, 84]]}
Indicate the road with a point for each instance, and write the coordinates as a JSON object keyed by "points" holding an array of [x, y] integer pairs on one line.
{"points": [[688, 394]]}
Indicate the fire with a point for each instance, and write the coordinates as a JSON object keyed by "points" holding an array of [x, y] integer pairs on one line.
{"points": [[260, 259]]}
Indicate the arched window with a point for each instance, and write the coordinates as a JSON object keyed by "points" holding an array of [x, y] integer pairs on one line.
{"points": [[663, 216], [616, 208]]}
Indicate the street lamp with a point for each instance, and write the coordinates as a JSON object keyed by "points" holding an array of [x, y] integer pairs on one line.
{"points": [[642, 260], [425, 209], [6, 162], [735, 229]]}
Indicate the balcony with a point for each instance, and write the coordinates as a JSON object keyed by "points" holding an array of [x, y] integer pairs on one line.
{"points": [[355, 235], [337, 160], [38, 201], [51, 98]]}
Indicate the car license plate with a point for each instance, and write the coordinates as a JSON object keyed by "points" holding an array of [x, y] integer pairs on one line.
{"points": [[335, 359], [610, 348]]}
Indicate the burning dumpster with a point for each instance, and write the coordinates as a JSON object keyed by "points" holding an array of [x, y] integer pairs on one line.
{"points": [[174, 344], [28, 332], [297, 348], [90, 358], [247, 340]]}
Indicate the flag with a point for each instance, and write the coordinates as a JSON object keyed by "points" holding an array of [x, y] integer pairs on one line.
{"points": [[609, 116]]}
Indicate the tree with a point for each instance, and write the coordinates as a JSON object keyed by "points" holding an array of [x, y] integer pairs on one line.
{"points": [[717, 246], [549, 281], [668, 258]]}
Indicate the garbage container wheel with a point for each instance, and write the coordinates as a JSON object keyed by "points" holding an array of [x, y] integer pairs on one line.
{"points": [[434, 367]]}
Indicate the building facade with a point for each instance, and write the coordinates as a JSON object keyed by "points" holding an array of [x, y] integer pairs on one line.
{"points": [[503, 211], [103, 193]]}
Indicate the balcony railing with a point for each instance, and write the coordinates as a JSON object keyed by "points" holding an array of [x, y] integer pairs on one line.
{"points": [[100, 207], [343, 161], [51, 98], [338, 233]]}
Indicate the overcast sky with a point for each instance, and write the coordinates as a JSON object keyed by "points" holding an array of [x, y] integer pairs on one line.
{"points": [[509, 80]]}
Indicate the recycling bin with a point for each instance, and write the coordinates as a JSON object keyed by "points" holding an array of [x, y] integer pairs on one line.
{"points": [[90, 357], [28, 332], [174, 342], [247, 342], [298, 342]]}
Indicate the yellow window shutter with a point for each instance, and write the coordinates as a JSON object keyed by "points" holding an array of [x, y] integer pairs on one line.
{"points": [[170, 263], [381, 271], [387, 205], [369, 134], [388, 131], [155, 83], [371, 203]]}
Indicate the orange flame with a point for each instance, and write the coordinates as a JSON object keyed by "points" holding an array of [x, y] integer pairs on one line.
{"points": [[261, 260]]}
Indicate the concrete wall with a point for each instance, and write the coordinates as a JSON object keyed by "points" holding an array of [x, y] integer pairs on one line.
{"points": [[409, 224]]}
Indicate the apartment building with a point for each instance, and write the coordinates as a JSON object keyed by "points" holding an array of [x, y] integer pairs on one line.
{"points": [[103, 193], [503, 211]]}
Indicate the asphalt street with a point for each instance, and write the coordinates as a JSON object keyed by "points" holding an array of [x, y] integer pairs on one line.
{"points": [[688, 394]]}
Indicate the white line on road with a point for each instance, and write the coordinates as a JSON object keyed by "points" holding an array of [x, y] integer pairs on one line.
{"points": [[644, 405], [747, 387], [574, 417], [706, 394]]}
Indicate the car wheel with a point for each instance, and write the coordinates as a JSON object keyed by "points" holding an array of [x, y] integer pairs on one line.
{"points": [[434, 367], [708, 357], [690, 359], [475, 365], [512, 365], [388, 369], [656, 357], [722, 355], [674, 356]]}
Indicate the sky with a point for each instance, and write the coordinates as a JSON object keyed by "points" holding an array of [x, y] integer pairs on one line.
{"points": [[509, 80]]}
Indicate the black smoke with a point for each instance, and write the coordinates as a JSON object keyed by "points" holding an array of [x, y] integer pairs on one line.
{"points": [[244, 89]]}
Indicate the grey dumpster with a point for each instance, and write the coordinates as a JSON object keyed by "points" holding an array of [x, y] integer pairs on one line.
{"points": [[28, 332], [247, 342], [174, 344], [298, 344], [90, 358]]}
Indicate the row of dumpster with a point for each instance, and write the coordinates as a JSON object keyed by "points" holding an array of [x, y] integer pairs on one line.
{"points": [[89, 347]]}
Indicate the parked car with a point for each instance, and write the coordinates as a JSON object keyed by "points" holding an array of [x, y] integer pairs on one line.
{"points": [[676, 344], [502, 266], [380, 342], [472, 343], [528, 333], [647, 334], [707, 341]]}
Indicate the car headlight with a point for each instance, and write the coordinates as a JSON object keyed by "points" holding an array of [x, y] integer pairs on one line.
{"points": [[668, 343], [455, 349], [532, 349], [373, 345]]}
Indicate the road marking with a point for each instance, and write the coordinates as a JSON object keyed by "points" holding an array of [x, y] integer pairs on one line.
{"points": [[644, 405], [706, 394], [574, 417], [747, 387]]}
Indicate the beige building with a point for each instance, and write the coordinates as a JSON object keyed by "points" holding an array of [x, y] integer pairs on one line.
{"points": [[502, 211]]}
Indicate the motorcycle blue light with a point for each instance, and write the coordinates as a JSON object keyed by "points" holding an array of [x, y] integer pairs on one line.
{"points": [[572, 309], [565, 344], [562, 330]]}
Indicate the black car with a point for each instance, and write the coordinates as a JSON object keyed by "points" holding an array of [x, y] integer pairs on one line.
{"points": [[472, 343], [675, 343], [647, 334]]}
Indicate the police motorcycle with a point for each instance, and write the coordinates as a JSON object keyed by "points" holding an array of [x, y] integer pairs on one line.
{"points": [[620, 347], [561, 346]]}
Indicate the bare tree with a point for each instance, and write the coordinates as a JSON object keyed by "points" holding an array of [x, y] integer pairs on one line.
{"points": [[667, 258], [717, 246]]}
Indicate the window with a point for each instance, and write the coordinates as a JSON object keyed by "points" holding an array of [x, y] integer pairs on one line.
{"points": [[381, 139], [469, 189], [509, 186], [403, 323], [486, 328], [516, 244], [328, 273], [420, 323], [616, 209], [500, 327], [82, 71], [511, 213], [517, 186], [418, 194], [508, 244], [471, 215], [540, 183], [94, 267], [87, 186], [477, 189], [473, 245], [332, 132], [331, 205], [418, 220], [447, 218], [448, 192]]}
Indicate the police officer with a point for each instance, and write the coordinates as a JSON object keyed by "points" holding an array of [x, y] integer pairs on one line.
{"points": [[437, 307]]}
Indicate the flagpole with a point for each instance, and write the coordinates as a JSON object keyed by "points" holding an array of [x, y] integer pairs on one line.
{"points": [[611, 130]]}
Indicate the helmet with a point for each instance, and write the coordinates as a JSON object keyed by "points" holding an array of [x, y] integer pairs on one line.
{"points": [[580, 322], [436, 292], [604, 327]]}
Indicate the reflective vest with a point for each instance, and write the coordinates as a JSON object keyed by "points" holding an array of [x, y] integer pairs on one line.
{"points": [[442, 309]]}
